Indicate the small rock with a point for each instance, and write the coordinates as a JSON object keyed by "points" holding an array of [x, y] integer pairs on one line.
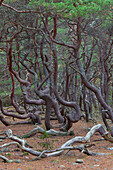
{"points": [[62, 166], [18, 161], [110, 148], [26, 157], [74, 163], [79, 161], [96, 165]]}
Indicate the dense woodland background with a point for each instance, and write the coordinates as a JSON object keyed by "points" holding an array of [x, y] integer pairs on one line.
{"points": [[56, 57], [56, 64]]}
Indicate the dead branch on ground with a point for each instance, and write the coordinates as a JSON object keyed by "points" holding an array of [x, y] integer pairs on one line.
{"points": [[21, 143]]}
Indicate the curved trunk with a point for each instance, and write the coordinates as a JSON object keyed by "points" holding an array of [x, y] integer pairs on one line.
{"points": [[95, 90], [44, 98], [72, 117]]}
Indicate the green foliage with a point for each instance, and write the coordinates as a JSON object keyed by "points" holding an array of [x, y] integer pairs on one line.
{"points": [[71, 8], [44, 135], [25, 153], [56, 161], [45, 145], [96, 15], [8, 154], [54, 140]]}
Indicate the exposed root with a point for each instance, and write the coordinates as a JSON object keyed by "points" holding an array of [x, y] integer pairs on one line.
{"points": [[6, 159], [21, 143], [49, 132]]}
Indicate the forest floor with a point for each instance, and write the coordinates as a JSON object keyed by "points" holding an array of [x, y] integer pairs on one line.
{"points": [[66, 161]]}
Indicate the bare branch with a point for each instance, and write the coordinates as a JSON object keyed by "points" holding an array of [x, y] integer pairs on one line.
{"points": [[19, 11]]}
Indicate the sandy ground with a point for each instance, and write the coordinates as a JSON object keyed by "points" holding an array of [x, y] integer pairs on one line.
{"points": [[67, 161]]}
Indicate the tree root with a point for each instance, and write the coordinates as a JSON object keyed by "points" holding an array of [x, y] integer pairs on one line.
{"points": [[6, 159], [49, 132], [21, 143]]}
